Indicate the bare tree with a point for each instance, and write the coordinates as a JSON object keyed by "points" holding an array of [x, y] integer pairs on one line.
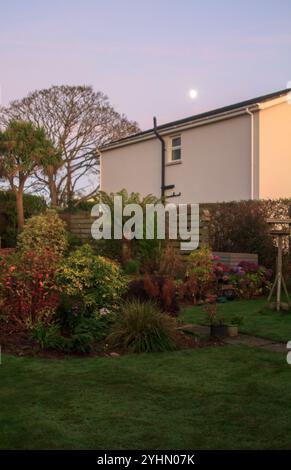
{"points": [[78, 121]]}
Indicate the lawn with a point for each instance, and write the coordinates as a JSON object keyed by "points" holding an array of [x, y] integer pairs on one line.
{"points": [[257, 319], [228, 397]]}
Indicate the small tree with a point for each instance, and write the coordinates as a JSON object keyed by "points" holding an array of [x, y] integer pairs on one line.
{"points": [[23, 150]]}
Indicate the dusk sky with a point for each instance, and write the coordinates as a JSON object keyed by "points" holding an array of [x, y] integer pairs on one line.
{"points": [[147, 55]]}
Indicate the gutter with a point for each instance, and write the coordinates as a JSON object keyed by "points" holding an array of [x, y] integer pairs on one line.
{"points": [[163, 158], [252, 152]]}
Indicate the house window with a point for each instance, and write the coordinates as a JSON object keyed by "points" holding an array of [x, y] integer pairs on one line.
{"points": [[176, 148]]}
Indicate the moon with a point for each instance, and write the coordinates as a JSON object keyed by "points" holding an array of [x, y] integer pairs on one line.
{"points": [[193, 94]]}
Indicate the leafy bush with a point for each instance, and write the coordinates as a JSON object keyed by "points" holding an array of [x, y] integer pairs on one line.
{"points": [[146, 251], [143, 328], [250, 280], [33, 205], [47, 336], [28, 288], [97, 326], [132, 267], [44, 232], [159, 289], [69, 311], [199, 263], [81, 343], [199, 276], [171, 263], [96, 280]]}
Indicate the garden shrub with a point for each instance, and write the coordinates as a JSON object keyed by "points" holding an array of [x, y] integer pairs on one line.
{"points": [[142, 327], [198, 282], [97, 326], [144, 250], [33, 205], [69, 311], [160, 289], [171, 263], [132, 267], [111, 249], [47, 336], [98, 281], [28, 289], [250, 280], [81, 343], [44, 232]]}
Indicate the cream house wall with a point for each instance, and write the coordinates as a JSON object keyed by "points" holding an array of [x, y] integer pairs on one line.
{"points": [[215, 166], [275, 150], [216, 162], [135, 167]]}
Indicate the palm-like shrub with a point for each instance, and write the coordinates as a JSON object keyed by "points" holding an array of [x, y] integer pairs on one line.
{"points": [[146, 251], [143, 328]]}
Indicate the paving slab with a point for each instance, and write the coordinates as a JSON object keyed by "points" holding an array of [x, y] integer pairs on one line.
{"points": [[248, 340]]}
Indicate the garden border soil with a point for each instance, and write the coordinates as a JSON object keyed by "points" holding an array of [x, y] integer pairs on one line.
{"points": [[19, 344]]}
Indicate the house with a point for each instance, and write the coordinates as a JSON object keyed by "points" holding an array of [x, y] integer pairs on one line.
{"points": [[241, 151]]}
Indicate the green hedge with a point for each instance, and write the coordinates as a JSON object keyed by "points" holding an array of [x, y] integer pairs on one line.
{"points": [[8, 220], [241, 227]]}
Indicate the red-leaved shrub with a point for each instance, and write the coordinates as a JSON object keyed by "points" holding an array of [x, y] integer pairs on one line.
{"points": [[28, 289], [160, 289]]}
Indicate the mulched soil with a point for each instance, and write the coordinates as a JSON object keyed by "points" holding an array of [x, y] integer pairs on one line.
{"points": [[18, 343]]}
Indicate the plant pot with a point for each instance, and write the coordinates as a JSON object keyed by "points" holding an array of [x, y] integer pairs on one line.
{"points": [[218, 331], [232, 330]]}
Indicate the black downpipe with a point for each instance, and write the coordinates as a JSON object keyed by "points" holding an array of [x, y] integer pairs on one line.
{"points": [[163, 158]]}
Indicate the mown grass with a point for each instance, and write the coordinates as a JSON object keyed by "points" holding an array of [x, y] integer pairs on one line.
{"points": [[228, 397], [257, 319]]}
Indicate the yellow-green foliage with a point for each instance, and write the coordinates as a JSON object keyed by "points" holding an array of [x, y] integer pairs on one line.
{"points": [[199, 263], [98, 280], [44, 232]]}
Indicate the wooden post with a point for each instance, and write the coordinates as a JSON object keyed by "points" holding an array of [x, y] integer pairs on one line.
{"points": [[278, 234], [279, 274]]}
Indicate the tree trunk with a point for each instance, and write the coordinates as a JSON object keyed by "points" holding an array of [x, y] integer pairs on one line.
{"points": [[53, 192], [20, 210], [126, 251], [69, 185]]}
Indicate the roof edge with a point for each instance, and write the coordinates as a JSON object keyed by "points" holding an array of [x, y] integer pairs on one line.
{"points": [[206, 116]]}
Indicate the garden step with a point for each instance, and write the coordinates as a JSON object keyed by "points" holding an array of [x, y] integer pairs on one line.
{"points": [[254, 341], [249, 340]]}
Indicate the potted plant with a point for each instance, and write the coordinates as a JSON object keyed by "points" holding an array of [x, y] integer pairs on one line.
{"points": [[218, 328], [233, 325]]}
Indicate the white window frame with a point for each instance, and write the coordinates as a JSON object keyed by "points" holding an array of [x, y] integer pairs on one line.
{"points": [[175, 147]]}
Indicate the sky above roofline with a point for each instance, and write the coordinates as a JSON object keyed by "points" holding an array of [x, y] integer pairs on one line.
{"points": [[147, 55]]}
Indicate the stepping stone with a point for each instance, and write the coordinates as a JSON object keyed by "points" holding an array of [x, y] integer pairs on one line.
{"points": [[249, 340]]}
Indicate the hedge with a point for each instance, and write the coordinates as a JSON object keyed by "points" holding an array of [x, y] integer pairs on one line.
{"points": [[8, 221], [242, 227]]}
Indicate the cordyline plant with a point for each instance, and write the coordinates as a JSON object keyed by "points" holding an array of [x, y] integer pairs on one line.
{"points": [[23, 150]]}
